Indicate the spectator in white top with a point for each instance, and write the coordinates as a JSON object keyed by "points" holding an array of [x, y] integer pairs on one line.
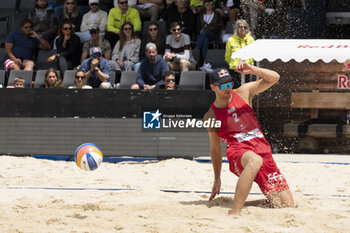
{"points": [[177, 50], [94, 16]]}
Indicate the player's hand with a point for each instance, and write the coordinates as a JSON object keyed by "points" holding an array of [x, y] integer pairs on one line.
{"points": [[147, 87], [216, 189], [244, 68]]}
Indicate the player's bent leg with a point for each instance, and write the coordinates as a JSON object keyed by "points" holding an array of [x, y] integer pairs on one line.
{"points": [[251, 163], [282, 199]]}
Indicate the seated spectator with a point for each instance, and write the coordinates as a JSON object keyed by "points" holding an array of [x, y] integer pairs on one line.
{"points": [[44, 20], [70, 11], [117, 17], [151, 69], [18, 82], [52, 80], [168, 82], [97, 69], [177, 50], [80, 81], [68, 47], [240, 39], [126, 52], [150, 9], [196, 6], [96, 41], [153, 35], [209, 26], [21, 45], [229, 9], [94, 16], [181, 14]]}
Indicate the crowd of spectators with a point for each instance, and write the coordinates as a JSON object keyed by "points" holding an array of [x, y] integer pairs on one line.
{"points": [[100, 36]]}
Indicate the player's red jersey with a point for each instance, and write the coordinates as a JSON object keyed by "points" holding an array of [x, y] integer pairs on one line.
{"points": [[241, 132]]}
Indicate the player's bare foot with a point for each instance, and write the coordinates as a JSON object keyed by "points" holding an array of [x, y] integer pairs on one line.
{"points": [[234, 212]]}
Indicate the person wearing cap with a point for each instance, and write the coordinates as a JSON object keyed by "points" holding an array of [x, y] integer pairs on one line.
{"points": [[151, 69], [240, 39], [97, 69], [248, 152], [96, 41], [117, 16], [92, 17]]}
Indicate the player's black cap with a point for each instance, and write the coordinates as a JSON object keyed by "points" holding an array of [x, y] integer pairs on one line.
{"points": [[220, 76]]}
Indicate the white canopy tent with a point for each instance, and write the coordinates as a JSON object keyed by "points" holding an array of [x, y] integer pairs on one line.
{"points": [[299, 50]]}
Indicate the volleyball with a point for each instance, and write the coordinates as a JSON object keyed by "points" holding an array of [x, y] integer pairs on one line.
{"points": [[88, 157]]}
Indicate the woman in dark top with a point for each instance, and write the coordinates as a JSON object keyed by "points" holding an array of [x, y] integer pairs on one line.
{"points": [[153, 35], [70, 11], [68, 47], [209, 24]]}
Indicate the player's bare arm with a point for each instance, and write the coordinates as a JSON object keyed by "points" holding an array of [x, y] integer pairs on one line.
{"points": [[248, 90], [215, 154]]}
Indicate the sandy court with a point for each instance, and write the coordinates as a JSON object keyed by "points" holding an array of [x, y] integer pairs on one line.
{"points": [[54, 196]]}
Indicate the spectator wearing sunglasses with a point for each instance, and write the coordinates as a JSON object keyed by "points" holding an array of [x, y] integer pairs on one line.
{"points": [[68, 47], [80, 81], [21, 45], [117, 17], [70, 11], [177, 50], [44, 20], [96, 41], [126, 52], [240, 39], [168, 82], [97, 69], [94, 16]]}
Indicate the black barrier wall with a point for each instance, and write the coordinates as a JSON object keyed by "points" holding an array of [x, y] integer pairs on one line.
{"points": [[57, 121]]}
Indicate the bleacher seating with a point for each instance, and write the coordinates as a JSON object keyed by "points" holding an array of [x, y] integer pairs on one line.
{"points": [[192, 80], [8, 8], [26, 74], [68, 78], [2, 78], [216, 57], [41, 61], [127, 79], [26, 6]]}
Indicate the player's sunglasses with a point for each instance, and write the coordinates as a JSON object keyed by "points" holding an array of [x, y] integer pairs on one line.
{"points": [[122, 3], [96, 55], [243, 27], [94, 4], [225, 86], [79, 77]]}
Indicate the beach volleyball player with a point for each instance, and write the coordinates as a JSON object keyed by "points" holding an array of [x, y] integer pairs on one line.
{"points": [[248, 152]]}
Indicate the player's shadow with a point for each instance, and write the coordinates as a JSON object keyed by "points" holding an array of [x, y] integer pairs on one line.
{"points": [[226, 202]]}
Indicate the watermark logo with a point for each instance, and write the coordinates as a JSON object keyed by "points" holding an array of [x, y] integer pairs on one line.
{"points": [[175, 121], [152, 120]]}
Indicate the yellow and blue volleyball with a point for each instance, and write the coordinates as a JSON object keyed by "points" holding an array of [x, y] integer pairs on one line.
{"points": [[88, 157]]}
